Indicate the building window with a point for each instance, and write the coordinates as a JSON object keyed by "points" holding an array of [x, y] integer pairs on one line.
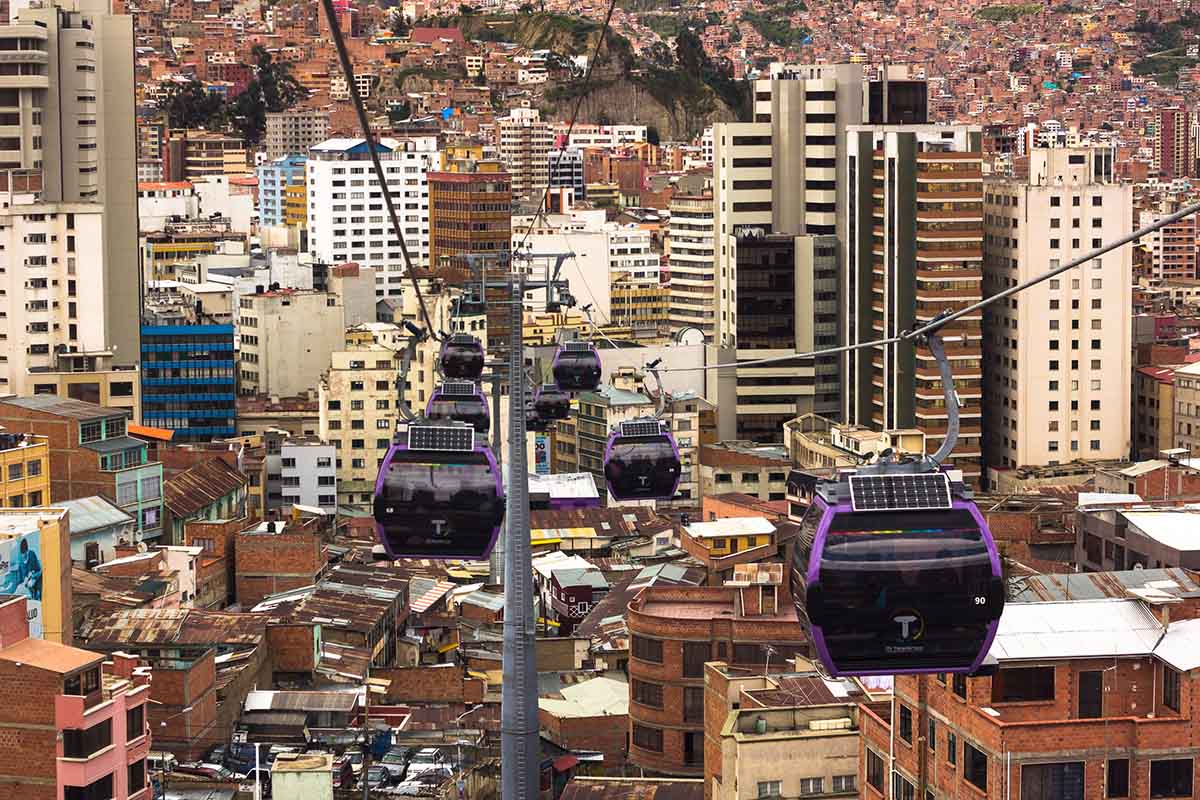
{"points": [[811, 786], [101, 789], [1170, 691], [951, 748], [1052, 781], [875, 769], [1171, 778], [902, 789], [647, 738], [648, 694], [1117, 784], [694, 656], [844, 783], [906, 723], [1023, 684], [33, 468], [932, 738], [137, 776], [135, 720], [90, 432], [959, 685], [647, 649], [769, 789], [83, 743], [16, 471], [975, 766]]}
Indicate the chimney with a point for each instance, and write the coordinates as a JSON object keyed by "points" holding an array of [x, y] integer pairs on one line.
{"points": [[122, 665]]}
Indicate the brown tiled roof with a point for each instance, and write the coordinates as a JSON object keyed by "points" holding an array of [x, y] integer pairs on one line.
{"points": [[200, 486], [50, 656]]}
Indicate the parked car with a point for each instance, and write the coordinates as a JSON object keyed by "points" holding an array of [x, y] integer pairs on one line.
{"points": [[356, 761], [427, 759], [377, 778], [264, 778], [395, 761]]}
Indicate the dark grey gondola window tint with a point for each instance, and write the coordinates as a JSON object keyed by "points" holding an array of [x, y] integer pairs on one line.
{"points": [[445, 502], [642, 468]]}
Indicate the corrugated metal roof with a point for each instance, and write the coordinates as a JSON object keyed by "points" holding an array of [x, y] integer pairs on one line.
{"points": [[1075, 629], [1096, 585], [492, 602], [63, 406], [183, 626], [93, 513], [263, 700], [599, 697], [204, 484], [435, 593], [576, 576]]}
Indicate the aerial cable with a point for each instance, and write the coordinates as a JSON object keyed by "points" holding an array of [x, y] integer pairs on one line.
{"points": [[934, 325], [360, 110]]}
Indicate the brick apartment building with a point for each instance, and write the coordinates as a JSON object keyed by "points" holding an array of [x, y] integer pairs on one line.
{"points": [[1093, 699], [72, 726], [674, 630], [92, 454], [275, 557]]}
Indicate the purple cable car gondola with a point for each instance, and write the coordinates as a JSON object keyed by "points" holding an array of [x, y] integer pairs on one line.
{"points": [[896, 574], [461, 358], [460, 401], [576, 367], [438, 494], [551, 402], [641, 461]]}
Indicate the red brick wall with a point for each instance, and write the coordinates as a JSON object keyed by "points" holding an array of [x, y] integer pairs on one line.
{"points": [[445, 684], [177, 459], [270, 563], [602, 734], [479, 613], [27, 702], [292, 647], [74, 471]]}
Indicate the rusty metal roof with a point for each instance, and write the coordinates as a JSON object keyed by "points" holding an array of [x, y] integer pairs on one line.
{"points": [[1099, 585], [63, 407], [633, 789], [179, 626], [202, 485]]}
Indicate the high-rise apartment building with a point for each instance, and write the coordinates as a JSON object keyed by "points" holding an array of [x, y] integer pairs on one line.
{"points": [[295, 132], [778, 175], [565, 168], [691, 262], [71, 95], [285, 338], [913, 248], [470, 214], [525, 140], [359, 413], [193, 154], [308, 475], [347, 217], [1171, 248], [1057, 358], [787, 303], [189, 382], [274, 178], [1175, 147]]}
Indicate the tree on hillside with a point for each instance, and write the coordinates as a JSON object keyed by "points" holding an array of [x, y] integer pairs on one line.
{"points": [[189, 105], [273, 88]]}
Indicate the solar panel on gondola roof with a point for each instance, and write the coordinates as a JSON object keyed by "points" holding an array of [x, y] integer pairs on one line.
{"points": [[899, 492], [641, 428], [443, 438], [576, 347], [458, 388]]}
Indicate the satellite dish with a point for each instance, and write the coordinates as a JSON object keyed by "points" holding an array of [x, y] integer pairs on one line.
{"points": [[1137, 567], [141, 547], [689, 336]]}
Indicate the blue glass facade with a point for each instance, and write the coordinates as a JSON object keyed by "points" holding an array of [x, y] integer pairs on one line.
{"points": [[188, 380]]}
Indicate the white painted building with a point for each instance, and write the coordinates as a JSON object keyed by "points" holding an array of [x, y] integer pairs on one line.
{"points": [[308, 473], [347, 216]]}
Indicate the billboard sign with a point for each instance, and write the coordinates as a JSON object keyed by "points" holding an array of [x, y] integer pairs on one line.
{"points": [[21, 574]]}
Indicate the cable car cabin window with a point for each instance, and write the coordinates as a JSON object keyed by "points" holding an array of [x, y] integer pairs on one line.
{"points": [[908, 590], [1023, 685], [1170, 695], [875, 769], [975, 766], [1171, 778], [446, 501], [647, 649], [1117, 784], [1052, 781]]}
